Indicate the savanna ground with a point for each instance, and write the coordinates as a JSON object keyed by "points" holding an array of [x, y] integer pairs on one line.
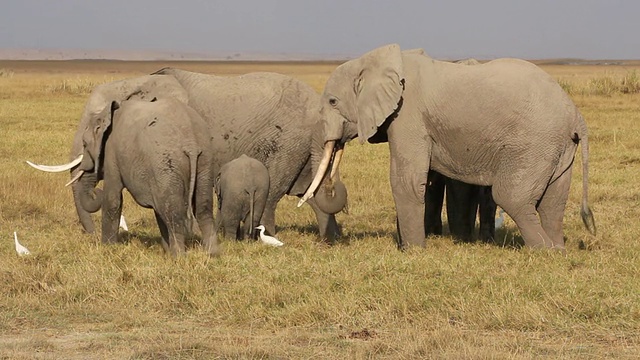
{"points": [[361, 298]]}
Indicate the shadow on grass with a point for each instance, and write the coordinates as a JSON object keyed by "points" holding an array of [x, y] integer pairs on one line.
{"points": [[341, 238], [150, 240]]}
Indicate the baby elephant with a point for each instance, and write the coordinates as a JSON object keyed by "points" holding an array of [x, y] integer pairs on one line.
{"points": [[161, 152], [242, 186]]}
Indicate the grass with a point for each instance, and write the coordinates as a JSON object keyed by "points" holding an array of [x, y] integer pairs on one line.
{"points": [[360, 298]]}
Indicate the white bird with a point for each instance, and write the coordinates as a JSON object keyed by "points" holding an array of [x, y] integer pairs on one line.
{"points": [[123, 223], [269, 240], [21, 250], [500, 219]]}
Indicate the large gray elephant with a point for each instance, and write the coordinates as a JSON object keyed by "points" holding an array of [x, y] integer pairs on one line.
{"points": [[242, 187], [505, 124], [268, 116], [161, 152]]}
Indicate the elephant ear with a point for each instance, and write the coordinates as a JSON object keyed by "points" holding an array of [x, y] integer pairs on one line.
{"points": [[101, 127], [378, 87]]}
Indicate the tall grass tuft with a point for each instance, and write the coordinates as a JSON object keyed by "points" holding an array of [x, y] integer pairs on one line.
{"points": [[6, 73], [79, 86], [604, 85]]}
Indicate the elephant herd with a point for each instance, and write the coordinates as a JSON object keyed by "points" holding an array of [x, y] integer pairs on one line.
{"points": [[503, 133]]}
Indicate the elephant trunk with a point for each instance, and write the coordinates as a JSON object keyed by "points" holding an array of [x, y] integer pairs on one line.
{"points": [[83, 215], [90, 197], [329, 192]]}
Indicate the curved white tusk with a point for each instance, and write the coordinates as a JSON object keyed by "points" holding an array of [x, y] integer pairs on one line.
{"points": [[57, 168], [336, 162], [322, 169], [75, 178]]}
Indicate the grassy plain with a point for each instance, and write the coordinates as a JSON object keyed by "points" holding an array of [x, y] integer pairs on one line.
{"points": [[361, 298]]}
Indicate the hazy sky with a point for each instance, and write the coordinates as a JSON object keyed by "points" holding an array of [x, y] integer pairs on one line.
{"points": [[592, 29]]}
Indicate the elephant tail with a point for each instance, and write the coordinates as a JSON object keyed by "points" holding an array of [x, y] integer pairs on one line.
{"points": [[252, 226], [193, 166], [585, 211]]}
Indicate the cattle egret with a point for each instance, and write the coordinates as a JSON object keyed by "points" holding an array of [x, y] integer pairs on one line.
{"points": [[123, 223], [270, 240], [21, 250]]}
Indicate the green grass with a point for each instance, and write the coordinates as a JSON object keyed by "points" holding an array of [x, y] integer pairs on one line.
{"points": [[361, 298]]}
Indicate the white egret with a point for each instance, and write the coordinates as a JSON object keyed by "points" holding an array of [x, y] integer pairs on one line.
{"points": [[270, 240], [21, 250]]}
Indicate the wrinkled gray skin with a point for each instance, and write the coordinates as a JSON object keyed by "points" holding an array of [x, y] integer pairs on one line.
{"points": [[161, 152], [505, 124], [268, 116], [143, 88], [464, 201], [242, 186]]}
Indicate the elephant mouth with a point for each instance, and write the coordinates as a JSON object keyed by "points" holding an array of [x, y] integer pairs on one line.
{"points": [[332, 155]]}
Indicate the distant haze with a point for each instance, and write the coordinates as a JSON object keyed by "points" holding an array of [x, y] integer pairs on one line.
{"points": [[532, 29]]}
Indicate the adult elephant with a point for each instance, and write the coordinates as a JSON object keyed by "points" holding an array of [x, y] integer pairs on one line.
{"points": [[505, 124], [140, 88], [268, 116]]}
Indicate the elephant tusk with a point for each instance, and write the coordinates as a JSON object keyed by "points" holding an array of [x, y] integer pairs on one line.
{"points": [[322, 169], [336, 161], [75, 178], [57, 168]]}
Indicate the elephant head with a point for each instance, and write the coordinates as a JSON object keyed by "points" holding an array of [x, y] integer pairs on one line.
{"points": [[358, 97], [90, 169]]}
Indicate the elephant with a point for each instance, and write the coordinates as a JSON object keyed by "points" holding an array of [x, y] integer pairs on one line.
{"points": [[505, 124], [270, 117], [161, 152], [464, 201], [142, 88], [241, 186]]}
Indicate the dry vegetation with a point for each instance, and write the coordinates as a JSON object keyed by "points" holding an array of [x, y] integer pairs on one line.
{"points": [[361, 298]]}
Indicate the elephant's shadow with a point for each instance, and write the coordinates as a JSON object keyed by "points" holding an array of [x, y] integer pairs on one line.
{"points": [[342, 238], [151, 237]]}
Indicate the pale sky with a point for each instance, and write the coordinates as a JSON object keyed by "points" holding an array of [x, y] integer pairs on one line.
{"points": [[590, 29]]}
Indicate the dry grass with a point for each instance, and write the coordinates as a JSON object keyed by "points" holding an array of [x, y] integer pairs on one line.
{"points": [[76, 299]]}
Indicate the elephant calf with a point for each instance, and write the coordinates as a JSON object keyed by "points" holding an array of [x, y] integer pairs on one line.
{"points": [[242, 187], [162, 153]]}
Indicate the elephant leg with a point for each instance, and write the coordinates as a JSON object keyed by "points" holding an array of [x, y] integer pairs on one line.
{"points": [[522, 209], [164, 232], [173, 211], [462, 207], [204, 215], [433, 203], [410, 161], [258, 210], [111, 211], [327, 225], [231, 223], [408, 195], [487, 214], [269, 216], [551, 208]]}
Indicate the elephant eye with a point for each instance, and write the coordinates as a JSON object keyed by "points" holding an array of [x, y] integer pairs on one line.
{"points": [[333, 102]]}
